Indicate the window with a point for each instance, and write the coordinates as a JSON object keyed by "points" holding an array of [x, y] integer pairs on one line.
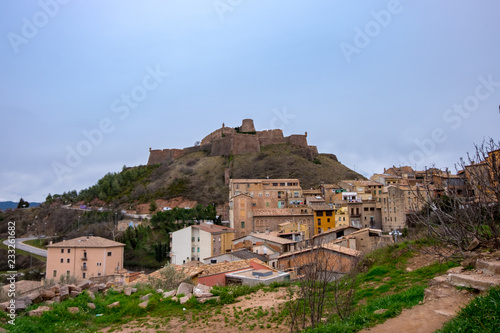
{"points": [[328, 213], [242, 224], [340, 219], [328, 220], [275, 184], [192, 239], [198, 239], [198, 249], [214, 239], [319, 221], [69, 250], [320, 213], [193, 249], [62, 260], [98, 274], [109, 254], [99, 264], [62, 250], [67, 260], [84, 275], [54, 273], [68, 273], [267, 204], [260, 194]]}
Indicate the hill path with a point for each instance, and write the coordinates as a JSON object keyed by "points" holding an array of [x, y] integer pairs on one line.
{"points": [[429, 316]]}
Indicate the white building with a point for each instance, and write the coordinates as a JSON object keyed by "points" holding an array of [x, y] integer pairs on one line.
{"points": [[196, 242]]}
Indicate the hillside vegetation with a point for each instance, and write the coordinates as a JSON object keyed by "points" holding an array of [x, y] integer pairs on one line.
{"points": [[200, 177]]}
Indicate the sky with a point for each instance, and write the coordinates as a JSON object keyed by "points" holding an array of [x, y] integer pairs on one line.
{"points": [[87, 87]]}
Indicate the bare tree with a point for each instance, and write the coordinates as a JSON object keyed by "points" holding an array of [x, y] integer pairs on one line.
{"points": [[321, 287], [467, 214]]}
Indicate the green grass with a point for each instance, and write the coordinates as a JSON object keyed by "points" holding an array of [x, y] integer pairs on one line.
{"points": [[385, 284], [482, 315], [39, 243], [92, 320]]}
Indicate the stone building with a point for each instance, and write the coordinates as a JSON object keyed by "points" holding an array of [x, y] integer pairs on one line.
{"points": [[260, 205]]}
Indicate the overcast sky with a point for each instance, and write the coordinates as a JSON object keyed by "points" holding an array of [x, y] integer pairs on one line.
{"points": [[88, 86]]}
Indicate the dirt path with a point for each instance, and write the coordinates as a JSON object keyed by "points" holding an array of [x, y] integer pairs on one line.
{"points": [[441, 303]]}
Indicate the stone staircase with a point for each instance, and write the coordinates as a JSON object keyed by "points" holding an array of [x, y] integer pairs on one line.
{"points": [[485, 275]]}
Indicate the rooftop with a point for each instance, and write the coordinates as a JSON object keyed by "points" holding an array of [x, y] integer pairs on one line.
{"points": [[213, 228], [90, 241], [269, 238], [329, 247]]}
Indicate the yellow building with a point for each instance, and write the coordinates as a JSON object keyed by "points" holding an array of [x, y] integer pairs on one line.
{"points": [[324, 219], [290, 227], [342, 217]]}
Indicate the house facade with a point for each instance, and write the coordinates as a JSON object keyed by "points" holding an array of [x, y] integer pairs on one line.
{"points": [[84, 257], [196, 242]]}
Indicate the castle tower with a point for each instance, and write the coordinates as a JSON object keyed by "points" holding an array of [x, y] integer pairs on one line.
{"points": [[247, 126]]}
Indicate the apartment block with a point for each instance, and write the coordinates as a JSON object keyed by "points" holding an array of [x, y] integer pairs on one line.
{"points": [[84, 257]]}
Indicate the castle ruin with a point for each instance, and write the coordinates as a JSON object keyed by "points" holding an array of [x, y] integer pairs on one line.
{"points": [[240, 140]]}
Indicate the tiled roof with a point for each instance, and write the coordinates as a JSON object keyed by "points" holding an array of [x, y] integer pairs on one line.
{"points": [[90, 241], [337, 229], [277, 212], [213, 228], [247, 254], [328, 246], [270, 238], [223, 267]]}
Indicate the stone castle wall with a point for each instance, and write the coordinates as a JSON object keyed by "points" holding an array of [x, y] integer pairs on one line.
{"points": [[217, 134], [226, 141], [163, 155], [245, 144]]}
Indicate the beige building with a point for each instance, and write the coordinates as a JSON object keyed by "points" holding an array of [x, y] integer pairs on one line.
{"points": [[268, 193], [84, 257], [260, 205]]}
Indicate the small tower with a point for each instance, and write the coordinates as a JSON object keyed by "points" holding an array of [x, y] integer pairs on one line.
{"points": [[247, 126]]}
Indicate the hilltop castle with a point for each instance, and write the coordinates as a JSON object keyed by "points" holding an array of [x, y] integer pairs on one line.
{"points": [[236, 141]]}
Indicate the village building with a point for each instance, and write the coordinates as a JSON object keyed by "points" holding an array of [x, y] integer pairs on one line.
{"points": [[278, 244], [330, 258], [196, 242], [324, 218], [241, 254], [84, 257]]}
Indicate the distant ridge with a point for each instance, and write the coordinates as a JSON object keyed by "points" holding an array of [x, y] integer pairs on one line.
{"points": [[4, 205]]}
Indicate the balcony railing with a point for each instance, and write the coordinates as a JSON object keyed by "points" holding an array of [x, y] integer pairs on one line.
{"points": [[84, 268], [84, 258]]}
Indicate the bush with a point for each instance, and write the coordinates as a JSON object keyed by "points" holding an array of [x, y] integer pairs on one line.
{"points": [[170, 278]]}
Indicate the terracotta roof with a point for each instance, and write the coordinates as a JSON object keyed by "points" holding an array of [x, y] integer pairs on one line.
{"points": [[213, 228], [328, 246], [91, 241], [278, 212], [337, 229], [224, 267], [270, 238]]}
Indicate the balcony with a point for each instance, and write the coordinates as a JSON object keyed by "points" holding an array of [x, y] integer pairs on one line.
{"points": [[84, 258], [84, 268]]}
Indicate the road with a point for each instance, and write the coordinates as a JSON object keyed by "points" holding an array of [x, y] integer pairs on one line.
{"points": [[28, 248]]}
